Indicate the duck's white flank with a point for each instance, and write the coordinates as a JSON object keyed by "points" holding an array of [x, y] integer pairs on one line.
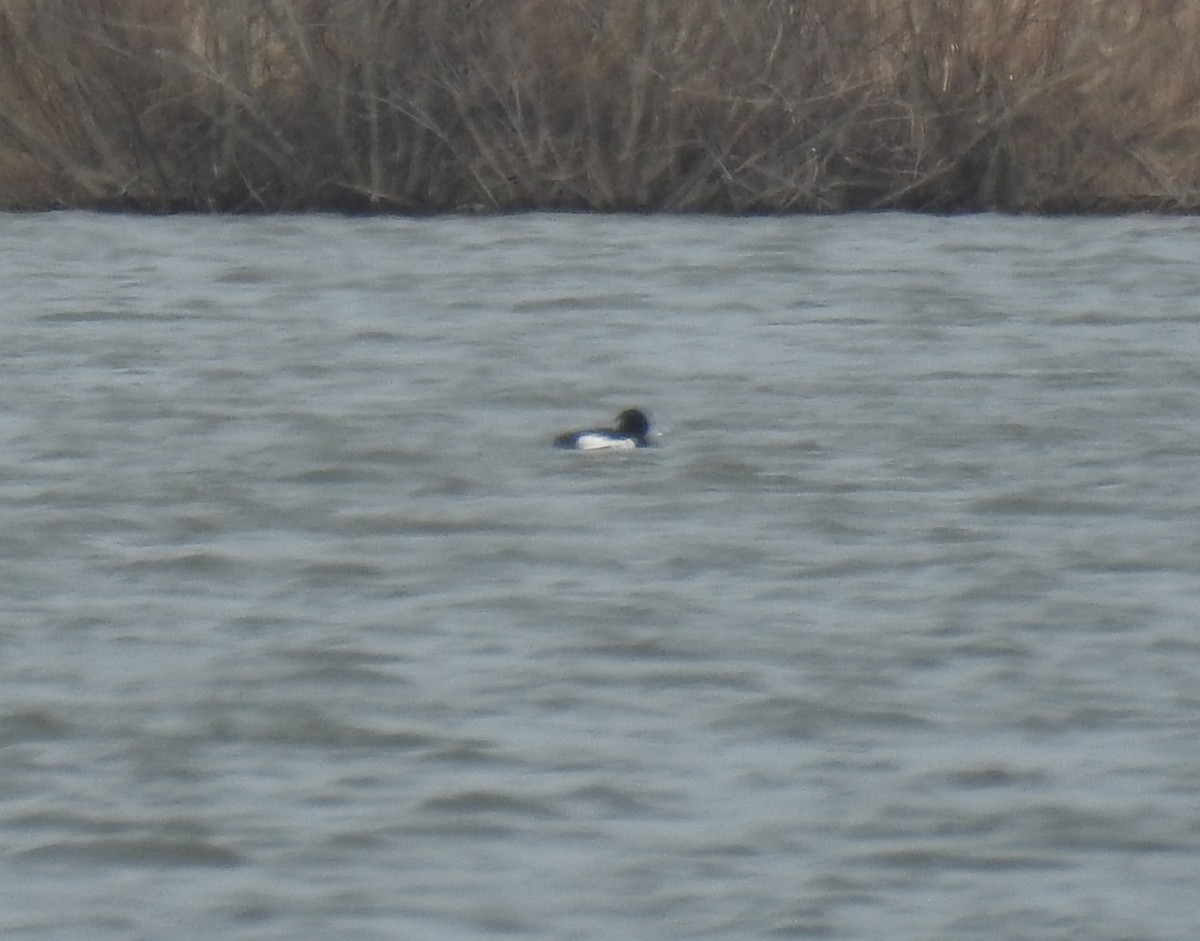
{"points": [[589, 442]]}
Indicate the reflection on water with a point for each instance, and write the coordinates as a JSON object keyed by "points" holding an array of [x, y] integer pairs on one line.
{"points": [[309, 631]]}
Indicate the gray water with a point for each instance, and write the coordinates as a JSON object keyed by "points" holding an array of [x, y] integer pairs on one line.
{"points": [[309, 634]]}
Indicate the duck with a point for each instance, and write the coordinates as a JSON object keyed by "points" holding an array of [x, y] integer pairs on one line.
{"points": [[632, 427]]}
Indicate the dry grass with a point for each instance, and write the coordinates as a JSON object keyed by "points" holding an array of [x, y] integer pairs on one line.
{"points": [[710, 105]]}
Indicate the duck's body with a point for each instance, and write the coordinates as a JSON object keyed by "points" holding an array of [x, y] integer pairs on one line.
{"points": [[629, 433]]}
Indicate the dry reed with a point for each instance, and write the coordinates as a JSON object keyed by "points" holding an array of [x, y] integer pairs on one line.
{"points": [[711, 105]]}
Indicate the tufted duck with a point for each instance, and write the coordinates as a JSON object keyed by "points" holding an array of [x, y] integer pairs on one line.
{"points": [[632, 428]]}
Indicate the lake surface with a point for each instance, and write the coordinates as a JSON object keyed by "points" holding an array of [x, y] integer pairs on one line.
{"points": [[308, 633]]}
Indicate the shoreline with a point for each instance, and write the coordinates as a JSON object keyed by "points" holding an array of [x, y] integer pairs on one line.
{"points": [[758, 107]]}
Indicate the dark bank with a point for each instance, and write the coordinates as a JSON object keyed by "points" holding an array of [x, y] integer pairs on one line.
{"points": [[720, 106]]}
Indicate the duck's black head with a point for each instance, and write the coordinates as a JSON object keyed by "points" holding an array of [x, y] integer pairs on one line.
{"points": [[633, 422]]}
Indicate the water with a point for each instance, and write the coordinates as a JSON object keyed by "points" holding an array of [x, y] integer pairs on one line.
{"points": [[308, 633]]}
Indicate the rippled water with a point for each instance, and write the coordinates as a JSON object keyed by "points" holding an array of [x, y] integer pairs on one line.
{"points": [[308, 633]]}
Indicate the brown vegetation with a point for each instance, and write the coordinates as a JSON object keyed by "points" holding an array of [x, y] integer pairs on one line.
{"points": [[703, 105]]}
